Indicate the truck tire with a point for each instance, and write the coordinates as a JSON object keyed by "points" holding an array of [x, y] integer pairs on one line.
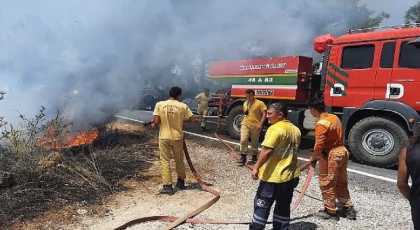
{"points": [[234, 120], [309, 120], [377, 141]]}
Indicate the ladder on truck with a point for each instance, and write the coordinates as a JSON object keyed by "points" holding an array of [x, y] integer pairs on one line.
{"points": [[370, 29]]}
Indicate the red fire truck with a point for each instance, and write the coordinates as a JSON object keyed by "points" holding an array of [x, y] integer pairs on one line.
{"points": [[368, 79]]}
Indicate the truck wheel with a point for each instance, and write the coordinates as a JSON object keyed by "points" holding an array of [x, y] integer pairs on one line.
{"points": [[149, 101], [234, 119], [377, 141]]}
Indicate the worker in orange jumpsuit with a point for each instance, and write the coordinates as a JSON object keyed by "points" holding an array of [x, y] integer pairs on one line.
{"points": [[333, 161]]}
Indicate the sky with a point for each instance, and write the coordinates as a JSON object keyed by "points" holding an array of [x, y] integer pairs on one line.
{"points": [[84, 57]]}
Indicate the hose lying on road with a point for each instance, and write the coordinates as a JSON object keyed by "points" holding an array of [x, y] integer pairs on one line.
{"points": [[188, 218]]}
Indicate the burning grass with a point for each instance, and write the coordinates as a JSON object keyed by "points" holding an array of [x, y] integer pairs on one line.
{"points": [[81, 169], [52, 141]]}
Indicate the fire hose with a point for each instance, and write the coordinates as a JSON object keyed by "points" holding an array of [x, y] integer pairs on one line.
{"points": [[188, 218]]}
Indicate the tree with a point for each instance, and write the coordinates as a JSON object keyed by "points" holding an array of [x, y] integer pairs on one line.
{"points": [[342, 16], [412, 15], [372, 22], [356, 16]]}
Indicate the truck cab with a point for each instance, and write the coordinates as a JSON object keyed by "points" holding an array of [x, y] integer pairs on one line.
{"points": [[370, 80]]}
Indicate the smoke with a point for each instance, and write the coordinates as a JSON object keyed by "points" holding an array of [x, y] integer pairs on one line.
{"points": [[94, 55], [396, 11]]}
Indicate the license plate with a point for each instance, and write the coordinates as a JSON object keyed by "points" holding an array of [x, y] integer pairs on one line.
{"points": [[264, 92]]}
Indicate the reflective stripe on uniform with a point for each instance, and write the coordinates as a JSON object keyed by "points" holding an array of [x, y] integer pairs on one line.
{"points": [[329, 202], [258, 220], [281, 219], [324, 123]]}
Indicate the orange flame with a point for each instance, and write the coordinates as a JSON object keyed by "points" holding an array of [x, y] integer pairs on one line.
{"points": [[51, 141]]}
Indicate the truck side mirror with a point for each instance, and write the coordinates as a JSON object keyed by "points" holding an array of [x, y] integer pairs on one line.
{"points": [[415, 42]]}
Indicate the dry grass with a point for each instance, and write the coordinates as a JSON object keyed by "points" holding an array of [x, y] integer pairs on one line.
{"points": [[78, 178]]}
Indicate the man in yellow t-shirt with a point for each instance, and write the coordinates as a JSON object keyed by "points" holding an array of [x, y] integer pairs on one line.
{"points": [[255, 113], [203, 106], [170, 115], [277, 170]]}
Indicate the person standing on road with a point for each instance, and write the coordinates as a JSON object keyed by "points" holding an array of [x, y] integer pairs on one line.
{"points": [[169, 115], [203, 107], [333, 161], [255, 112], [277, 170], [409, 165]]}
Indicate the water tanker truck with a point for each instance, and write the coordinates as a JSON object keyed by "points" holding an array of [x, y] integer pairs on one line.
{"points": [[368, 79]]}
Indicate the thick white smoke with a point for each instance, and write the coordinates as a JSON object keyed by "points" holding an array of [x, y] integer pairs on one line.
{"points": [[95, 54]]}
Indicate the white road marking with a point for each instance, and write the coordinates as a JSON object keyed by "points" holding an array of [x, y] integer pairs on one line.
{"points": [[216, 122], [307, 159], [130, 119], [300, 158]]}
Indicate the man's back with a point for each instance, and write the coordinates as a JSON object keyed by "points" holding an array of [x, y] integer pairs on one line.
{"points": [[284, 138], [172, 114], [329, 125]]}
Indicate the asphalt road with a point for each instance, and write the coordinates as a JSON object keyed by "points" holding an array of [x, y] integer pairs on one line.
{"points": [[389, 175]]}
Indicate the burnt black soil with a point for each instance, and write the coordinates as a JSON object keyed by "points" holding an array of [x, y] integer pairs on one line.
{"points": [[78, 176]]}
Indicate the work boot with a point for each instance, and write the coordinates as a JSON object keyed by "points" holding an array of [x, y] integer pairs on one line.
{"points": [[324, 214], [203, 126], [347, 212], [253, 160], [241, 162], [180, 184], [167, 189]]}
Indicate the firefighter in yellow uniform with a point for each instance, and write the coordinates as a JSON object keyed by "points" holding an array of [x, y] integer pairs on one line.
{"points": [[333, 160], [255, 112], [203, 106], [169, 115], [277, 170]]}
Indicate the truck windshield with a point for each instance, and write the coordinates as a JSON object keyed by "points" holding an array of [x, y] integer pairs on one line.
{"points": [[409, 56]]}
